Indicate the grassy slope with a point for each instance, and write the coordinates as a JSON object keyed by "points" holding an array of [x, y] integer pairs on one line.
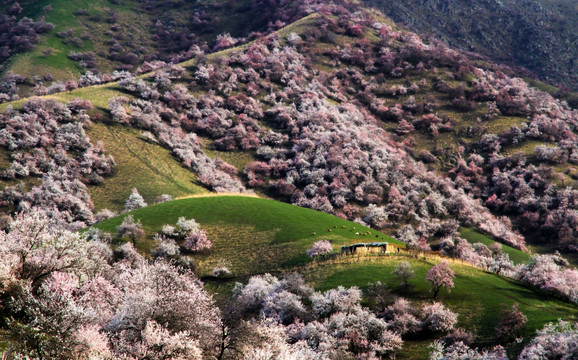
{"points": [[478, 296], [148, 167], [99, 94], [236, 18], [254, 235], [113, 195], [63, 18]]}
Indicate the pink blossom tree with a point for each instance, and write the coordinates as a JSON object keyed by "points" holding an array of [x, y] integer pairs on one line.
{"points": [[402, 317], [197, 241], [162, 305], [189, 231], [439, 276]]}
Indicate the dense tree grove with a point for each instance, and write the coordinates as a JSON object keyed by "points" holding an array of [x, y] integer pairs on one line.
{"points": [[303, 158], [551, 273], [18, 33], [333, 324], [88, 302], [48, 142], [67, 297], [519, 185]]}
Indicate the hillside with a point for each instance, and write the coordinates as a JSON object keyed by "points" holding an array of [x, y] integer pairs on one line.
{"points": [[442, 121], [539, 35], [478, 297], [275, 132], [254, 236], [127, 35]]}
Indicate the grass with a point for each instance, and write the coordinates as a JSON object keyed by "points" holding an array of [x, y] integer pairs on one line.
{"points": [[526, 147], [239, 159], [63, 18], [254, 235], [501, 124], [136, 31], [478, 296], [473, 236], [97, 94], [148, 167]]}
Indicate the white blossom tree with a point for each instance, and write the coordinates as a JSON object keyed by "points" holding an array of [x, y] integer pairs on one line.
{"points": [[134, 201], [321, 247], [439, 276]]}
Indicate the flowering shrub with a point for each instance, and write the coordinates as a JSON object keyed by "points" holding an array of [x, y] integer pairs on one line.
{"points": [[187, 232], [320, 247], [438, 318], [555, 340]]}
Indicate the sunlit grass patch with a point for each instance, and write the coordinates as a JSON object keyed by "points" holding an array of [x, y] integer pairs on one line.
{"points": [[148, 167], [255, 235]]}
